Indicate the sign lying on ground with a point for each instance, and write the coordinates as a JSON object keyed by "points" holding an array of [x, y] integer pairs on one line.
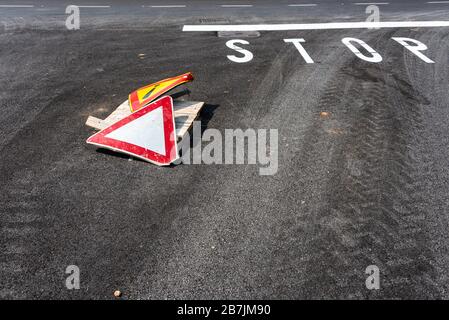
{"points": [[148, 134], [141, 97]]}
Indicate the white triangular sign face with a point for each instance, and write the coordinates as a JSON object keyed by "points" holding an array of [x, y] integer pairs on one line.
{"points": [[148, 133], [152, 124]]}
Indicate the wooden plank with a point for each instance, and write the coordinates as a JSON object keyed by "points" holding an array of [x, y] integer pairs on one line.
{"points": [[121, 112], [185, 113], [94, 123]]}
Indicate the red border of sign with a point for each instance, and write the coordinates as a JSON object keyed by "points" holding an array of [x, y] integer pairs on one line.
{"points": [[100, 139], [135, 104]]}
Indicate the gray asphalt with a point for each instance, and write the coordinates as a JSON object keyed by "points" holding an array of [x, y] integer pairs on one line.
{"points": [[366, 185]]}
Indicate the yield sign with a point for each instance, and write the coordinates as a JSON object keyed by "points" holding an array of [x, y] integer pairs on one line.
{"points": [[148, 134], [141, 97]]}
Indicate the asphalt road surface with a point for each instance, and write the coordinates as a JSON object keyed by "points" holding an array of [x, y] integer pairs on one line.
{"points": [[365, 185]]}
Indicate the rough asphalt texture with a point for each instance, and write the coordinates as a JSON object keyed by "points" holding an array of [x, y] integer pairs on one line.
{"points": [[366, 185]]}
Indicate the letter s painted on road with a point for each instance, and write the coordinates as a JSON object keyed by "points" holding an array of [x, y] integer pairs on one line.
{"points": [[247, 55]]}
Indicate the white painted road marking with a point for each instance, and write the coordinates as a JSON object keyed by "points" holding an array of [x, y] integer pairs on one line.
{"points": [[375, 57], [302, 51], [303, 5], [93, 6], [16, 6], [315, 26], [438, 2], [247, 55], [415, 49], [235, 5], [168, 6], [414, 46], [371, 3]]}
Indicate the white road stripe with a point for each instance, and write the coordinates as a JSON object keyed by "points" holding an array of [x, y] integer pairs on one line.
{"points": [[236, 5], [370, 3], [16, 6], [93, 6], [303, 5], [316, 26], [438, 2], [169, 6]]}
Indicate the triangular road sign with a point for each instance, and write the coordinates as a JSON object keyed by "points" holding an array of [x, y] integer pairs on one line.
{"points": [[142, 96], [148, 134]]}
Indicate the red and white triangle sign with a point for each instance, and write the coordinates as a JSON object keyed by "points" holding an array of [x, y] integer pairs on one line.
{"points": [[148, 134]]}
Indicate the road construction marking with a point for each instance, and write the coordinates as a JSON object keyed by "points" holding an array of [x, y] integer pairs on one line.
{"points": [[16, 6], [303, 5], [169, 6], [315, 26], [236, 5]]}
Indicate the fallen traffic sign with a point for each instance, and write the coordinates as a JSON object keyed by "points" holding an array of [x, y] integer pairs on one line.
{"points": [[148, 134], [141, 97], [185, 113]]}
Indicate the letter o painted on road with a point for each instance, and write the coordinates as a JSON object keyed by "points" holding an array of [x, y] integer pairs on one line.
{"points": [[375, 57]]}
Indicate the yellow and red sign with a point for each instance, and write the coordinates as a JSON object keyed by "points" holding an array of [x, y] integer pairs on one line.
{"points": [[143, 96]]}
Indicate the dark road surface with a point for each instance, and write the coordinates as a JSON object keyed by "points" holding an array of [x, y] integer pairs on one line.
{"points": [[367, 185]]}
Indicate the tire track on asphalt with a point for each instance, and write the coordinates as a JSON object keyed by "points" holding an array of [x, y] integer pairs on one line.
{"points": [[309, 158], [272, 257], [375, 208], [231, 253], [432, 82], [21, 217]]}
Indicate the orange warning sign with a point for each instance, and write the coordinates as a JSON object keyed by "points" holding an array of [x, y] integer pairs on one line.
{"points": [[141, 97]]}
